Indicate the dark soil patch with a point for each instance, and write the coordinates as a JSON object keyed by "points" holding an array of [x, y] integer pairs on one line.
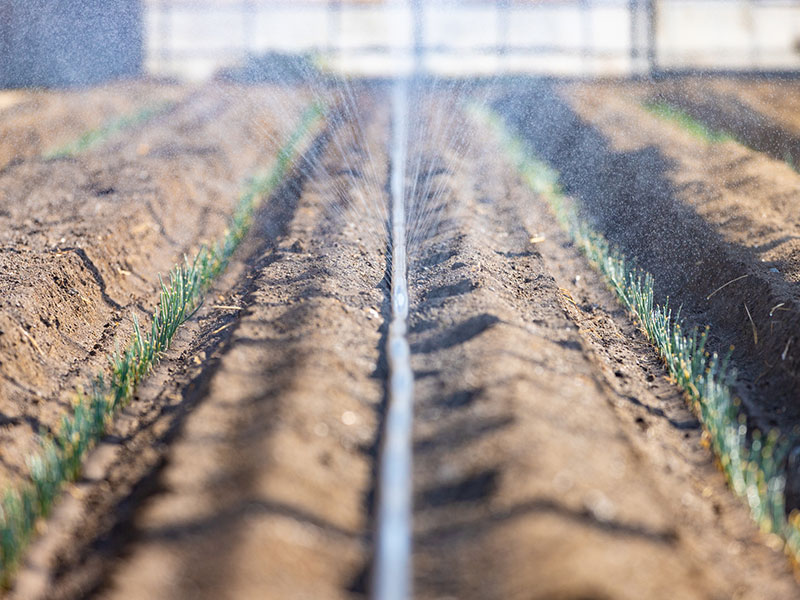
{"points": [[728, 110], [46, 120]]}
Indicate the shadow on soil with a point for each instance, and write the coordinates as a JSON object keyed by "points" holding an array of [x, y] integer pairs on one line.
{"points": [[480, 526], [726, 113], [360, 584], [626, 196], [271, 222]]}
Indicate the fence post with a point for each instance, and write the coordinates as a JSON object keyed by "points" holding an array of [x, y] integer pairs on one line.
{"points": [[586, 34], [652, 35], [503, 15], [334, 25], [633, 16], [249, 14], [164, 34]]}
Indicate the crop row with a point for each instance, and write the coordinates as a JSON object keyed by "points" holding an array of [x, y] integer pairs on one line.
{"points": [[753, 462], [94, 137], [712, 135], [680, 117], [60, 458]]}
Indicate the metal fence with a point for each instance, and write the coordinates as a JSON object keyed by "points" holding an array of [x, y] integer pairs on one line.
{"points": [[192, 38]]}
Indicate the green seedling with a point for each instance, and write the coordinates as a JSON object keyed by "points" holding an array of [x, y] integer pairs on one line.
{"points": [[96, 137], [680, 117]]}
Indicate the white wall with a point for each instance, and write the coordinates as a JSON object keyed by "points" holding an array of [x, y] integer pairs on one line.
{"points": [[729, 34]]}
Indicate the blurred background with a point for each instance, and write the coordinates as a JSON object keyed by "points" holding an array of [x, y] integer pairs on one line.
{"points": [[73, 42]]}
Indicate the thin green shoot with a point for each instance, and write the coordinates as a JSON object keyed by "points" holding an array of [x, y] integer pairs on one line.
{"points": [[680, 117], [95, 137]]}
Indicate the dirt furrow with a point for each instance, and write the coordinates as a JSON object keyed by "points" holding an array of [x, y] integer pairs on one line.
{"points": [[82, 242], [92, 520], [533, 477], [714, 223], [266, 491], [43, 121], [767, 124], [553, 459]]}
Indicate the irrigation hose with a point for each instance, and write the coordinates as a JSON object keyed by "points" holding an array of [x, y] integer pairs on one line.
{"points": [[392, 566]]}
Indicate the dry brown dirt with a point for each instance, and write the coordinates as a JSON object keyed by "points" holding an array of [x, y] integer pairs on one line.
{"points": [[550, 451], [82, 240], [553, 458], [33, 123], [762, 114]]}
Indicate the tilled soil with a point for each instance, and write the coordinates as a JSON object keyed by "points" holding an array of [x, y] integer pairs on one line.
{"points": [[276, 378], [35, 123], [762, 114], [264, 493], [715, 223], [553, 458], [82, 240], [535, 457]]}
